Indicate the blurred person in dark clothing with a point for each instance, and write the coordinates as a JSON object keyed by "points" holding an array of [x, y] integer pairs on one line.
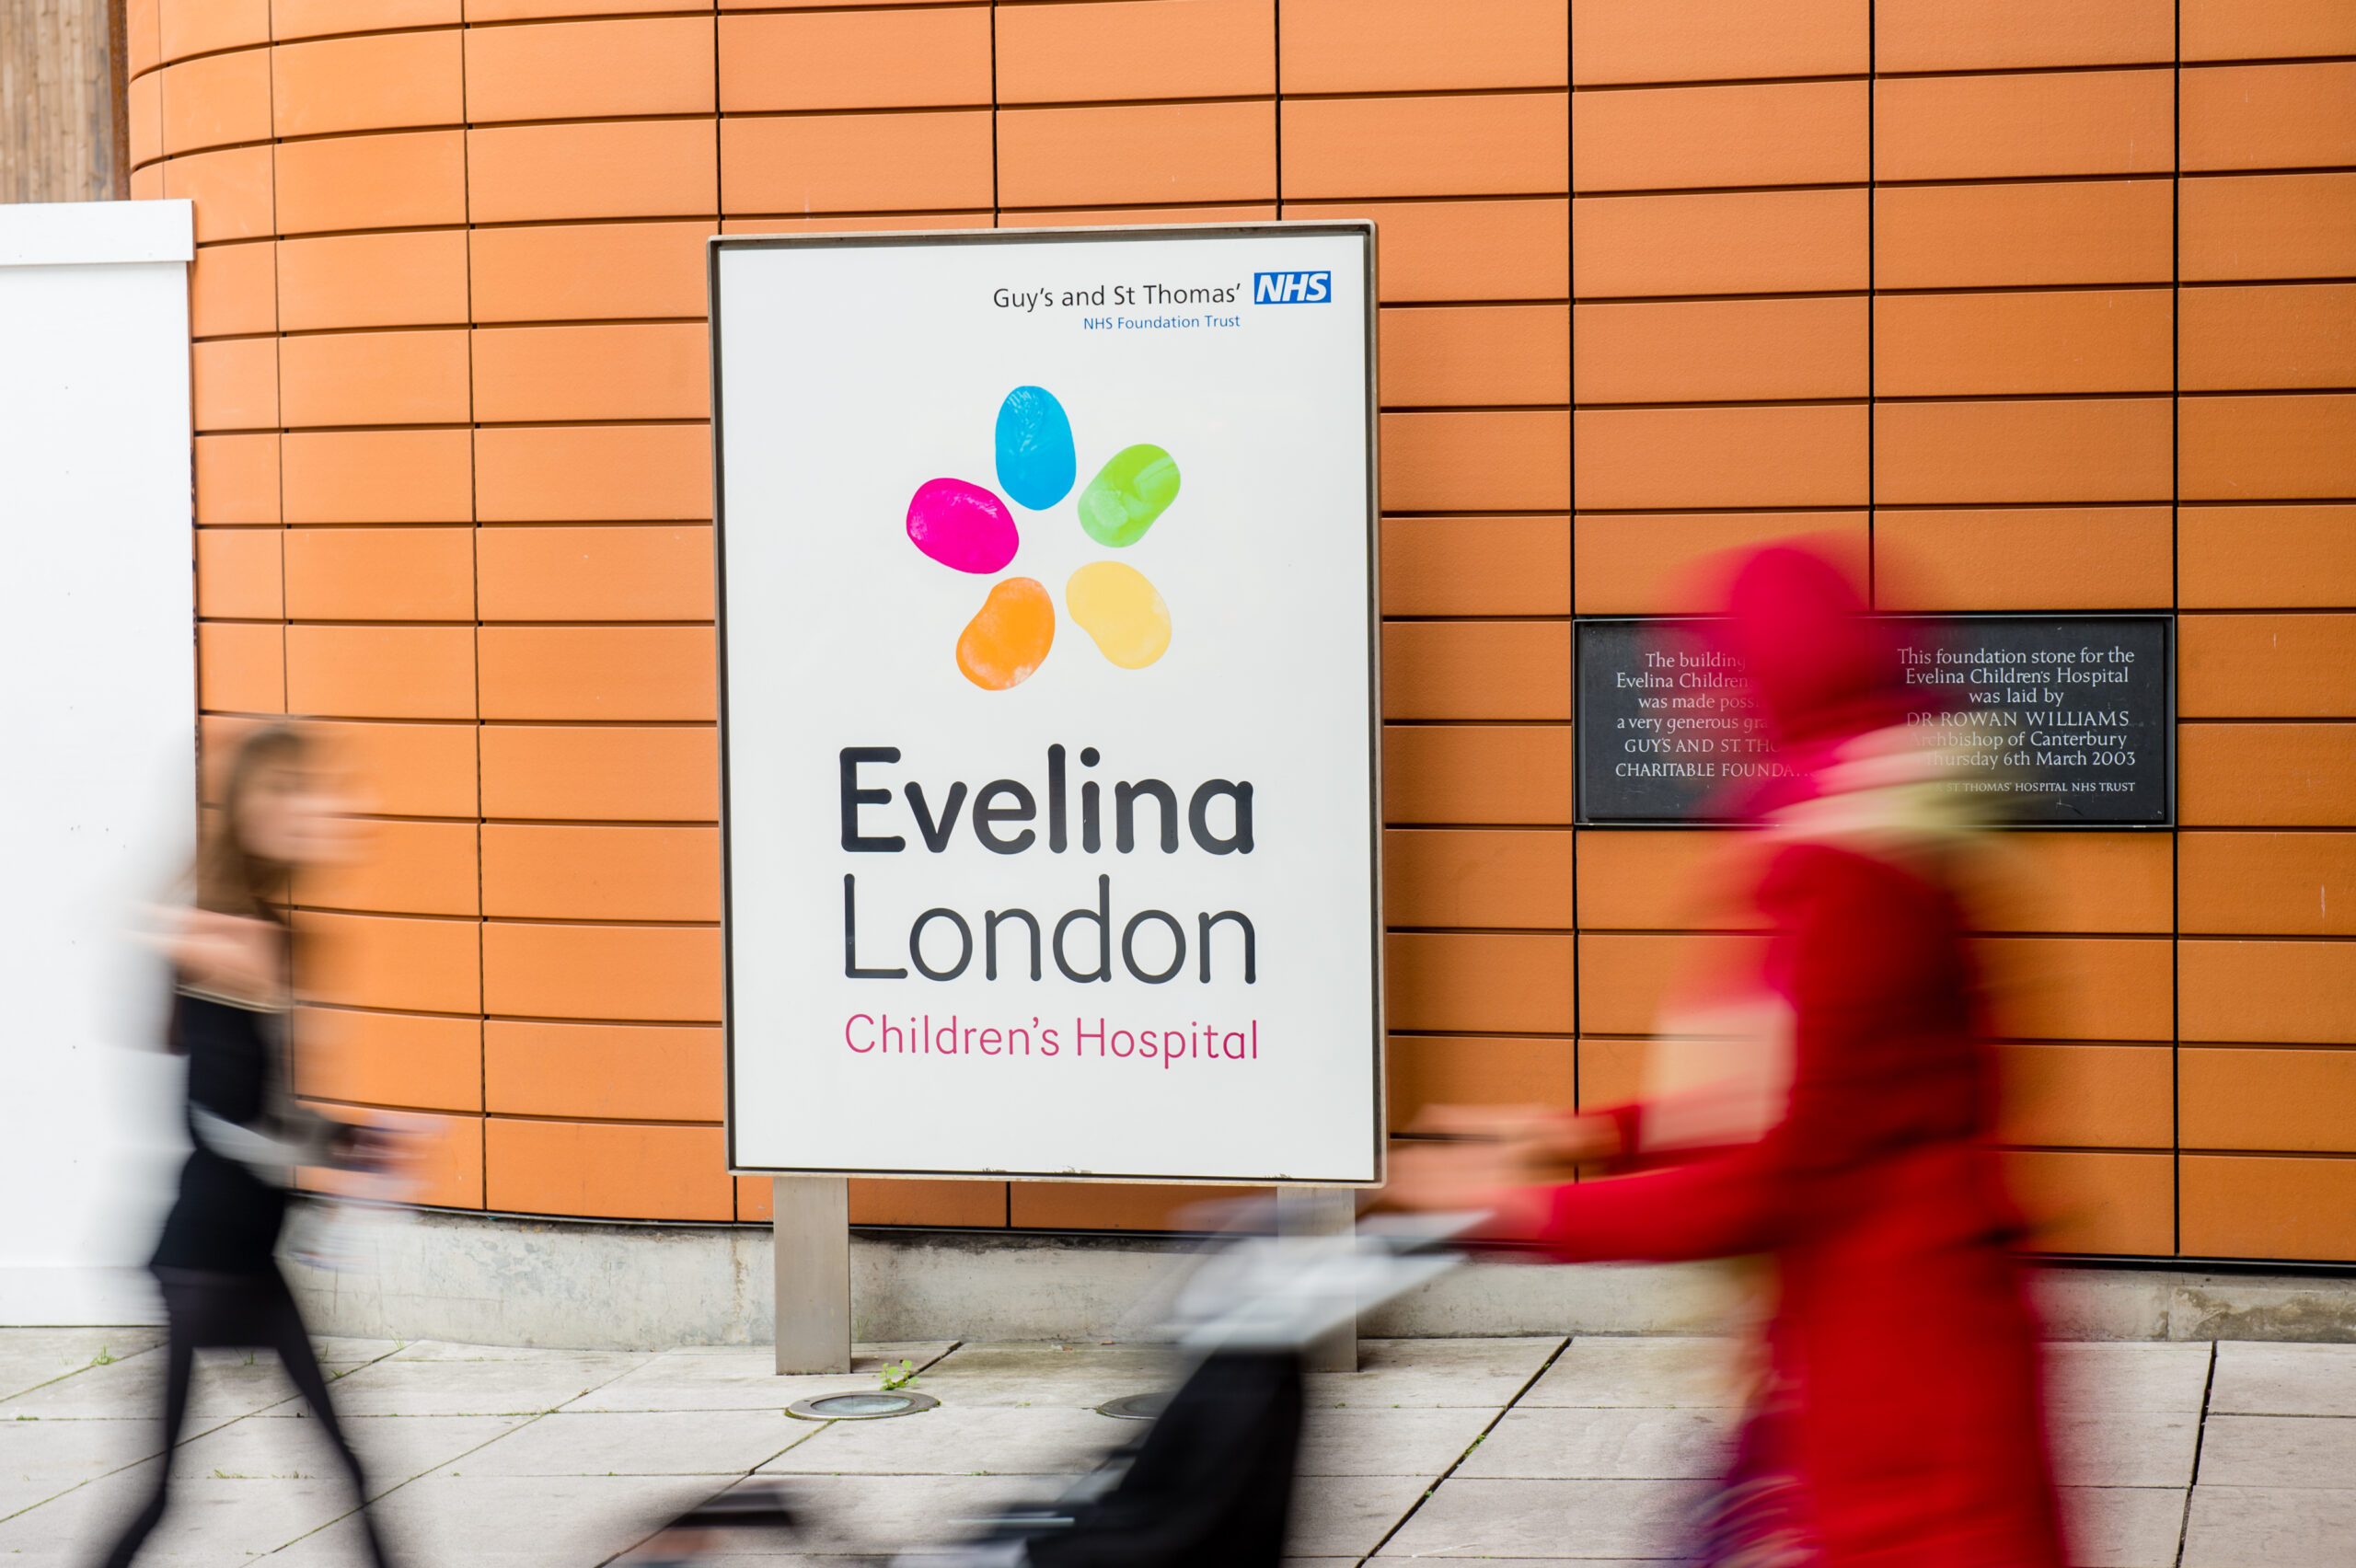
{"points": [[232, 956], [1902, 1418]]}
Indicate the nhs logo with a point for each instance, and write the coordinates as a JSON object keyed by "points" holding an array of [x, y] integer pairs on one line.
{"points": [[1292, 288]]}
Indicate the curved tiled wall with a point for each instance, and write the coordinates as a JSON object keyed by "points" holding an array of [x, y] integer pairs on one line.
{"points": [[2042, 307]]}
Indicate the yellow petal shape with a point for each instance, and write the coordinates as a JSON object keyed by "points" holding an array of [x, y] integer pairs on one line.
{"points": [[1115, 604], [1008, 636]]}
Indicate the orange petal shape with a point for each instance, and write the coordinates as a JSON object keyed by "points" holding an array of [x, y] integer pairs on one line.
{"points": [[1009, 637]]}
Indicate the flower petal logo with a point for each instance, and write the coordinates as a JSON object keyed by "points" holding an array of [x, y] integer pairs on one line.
{"points": [[967, 527]]}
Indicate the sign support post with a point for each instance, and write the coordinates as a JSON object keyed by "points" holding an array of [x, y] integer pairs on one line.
{"points": [[812, 1226], [1323, 1211]]}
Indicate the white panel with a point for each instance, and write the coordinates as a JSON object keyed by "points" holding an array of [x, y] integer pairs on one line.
{"points": [[58, 234]]}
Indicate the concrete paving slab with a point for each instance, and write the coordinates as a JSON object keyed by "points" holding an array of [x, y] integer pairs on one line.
{"points": [[211, 1520], [226, 1384], [2127, 1447], [618, 1443], [2128, 1377], [41, 1460], [502, 1521], [1400, 1374], [1616, 1444], [2279, 1450], [402, 1385], [885, 1513], [2263, 1527], [1422, 1441], [742, 1377], [394, 1449], [1664, 1372], [1078, 1374], [2122, 1526], [1056, 1439], [31, 1357], [1347, 1515], [2275, 1379], [1551, 1518]]}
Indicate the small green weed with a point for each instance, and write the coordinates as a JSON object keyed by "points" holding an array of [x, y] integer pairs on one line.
{"points": [[897, 1377], [103, 1358]]}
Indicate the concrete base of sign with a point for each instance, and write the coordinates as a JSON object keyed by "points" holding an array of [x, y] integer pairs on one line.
{"points": [[488, 1279]]}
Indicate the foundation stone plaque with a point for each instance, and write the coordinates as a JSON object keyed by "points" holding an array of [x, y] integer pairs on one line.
{"points": [[2046, 720]]}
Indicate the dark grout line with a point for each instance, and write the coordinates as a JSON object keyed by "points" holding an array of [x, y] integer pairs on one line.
{"points": [[1442, 1479]]}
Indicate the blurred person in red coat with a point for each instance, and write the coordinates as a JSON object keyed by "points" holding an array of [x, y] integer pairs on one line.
{"points": [[1902, 1421]]}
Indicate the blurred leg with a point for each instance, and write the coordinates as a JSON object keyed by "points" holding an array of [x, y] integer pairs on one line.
{"points": [[288, 1335], [179, 1361]]}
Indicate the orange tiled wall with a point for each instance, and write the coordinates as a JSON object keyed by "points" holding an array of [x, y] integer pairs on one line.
{"points": [[2037, 305]]}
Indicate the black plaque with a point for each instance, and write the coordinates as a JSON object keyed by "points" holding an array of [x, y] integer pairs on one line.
{"points": [[2045, 721]]}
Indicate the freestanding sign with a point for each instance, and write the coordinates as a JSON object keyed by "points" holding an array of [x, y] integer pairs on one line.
{"points": [[1048, 707]]}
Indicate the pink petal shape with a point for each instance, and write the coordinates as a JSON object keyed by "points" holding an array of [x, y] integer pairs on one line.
{"points": [[962, 525]]}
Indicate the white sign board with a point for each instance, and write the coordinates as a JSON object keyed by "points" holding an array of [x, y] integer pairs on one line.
{"points": [[1048, 703]]}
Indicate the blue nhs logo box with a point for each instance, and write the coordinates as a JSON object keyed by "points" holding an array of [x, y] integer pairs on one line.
{"points": [[1292, 288]]}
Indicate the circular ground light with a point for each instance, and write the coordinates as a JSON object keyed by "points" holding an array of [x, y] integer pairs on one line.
{"points": [[860, 1407], [1135, 1407]]}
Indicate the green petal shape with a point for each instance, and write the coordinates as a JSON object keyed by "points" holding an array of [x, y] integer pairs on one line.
{"points": [[1128, 493]]}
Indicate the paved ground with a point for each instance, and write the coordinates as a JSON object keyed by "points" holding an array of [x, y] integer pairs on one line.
{"points": [[1522, 1449]]}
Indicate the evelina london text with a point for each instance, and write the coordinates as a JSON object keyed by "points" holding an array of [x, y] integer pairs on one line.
{"points": [[1199, 1040]]}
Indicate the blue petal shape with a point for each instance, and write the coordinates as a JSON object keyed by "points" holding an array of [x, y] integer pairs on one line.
{"points": [[1037, 464]]}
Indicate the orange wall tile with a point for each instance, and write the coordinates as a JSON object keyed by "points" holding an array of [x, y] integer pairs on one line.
{"points": [[1426, 1070], [2115, 883], [2265, 557], [373, 280], [622, 1072], [2036, 450], [1132, 153], [607, 773], [607, 1167], [381, 672], [2287, 992], [1490, 878], [1390, 46], [2086, 1096], [597, 574], [2295, 1102], [1692, 138], [535, 870], [401, 868], [2072, 123], [582, 70], [380, 574], [1648, 40], [1464, 251], [2296, 335], [864, 163], [1122, 1206], [2292, 884], [2267, 666], [1612, 1071], [1993, 35], [405, 1059], [234, 192], [237, 479], [2081, 1201], [356, 379], [2257, 30], [1476, 774], [1476, 566], [2077, 987], [1738, 242], [1468, 144], [2248, 1207], [668, 974], [1476, 670], [2267, 775], [960, 1204], [909, 58], [368, 961], [1659, 563], [569, 272], [217, 102], [2083, 558], [2266, 448], [561, 473], [144, 112], [143, 46], [1487, 355], [311, 18], [2101, 231], [355, 182], [1477, 462], [238, 574], [2250, 116], [1156, 49], [240, 668], [409, 769], [233, 288], [391, 82], [1766, 456], [1625, 981], [199, 26], [632, 169], [602, 673], [388, 476], [1666, 880], [640, 372], [233, 384], [451, 1166], [1488, 981], [1721, 351], [2263, 225], [2077, 340]]}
